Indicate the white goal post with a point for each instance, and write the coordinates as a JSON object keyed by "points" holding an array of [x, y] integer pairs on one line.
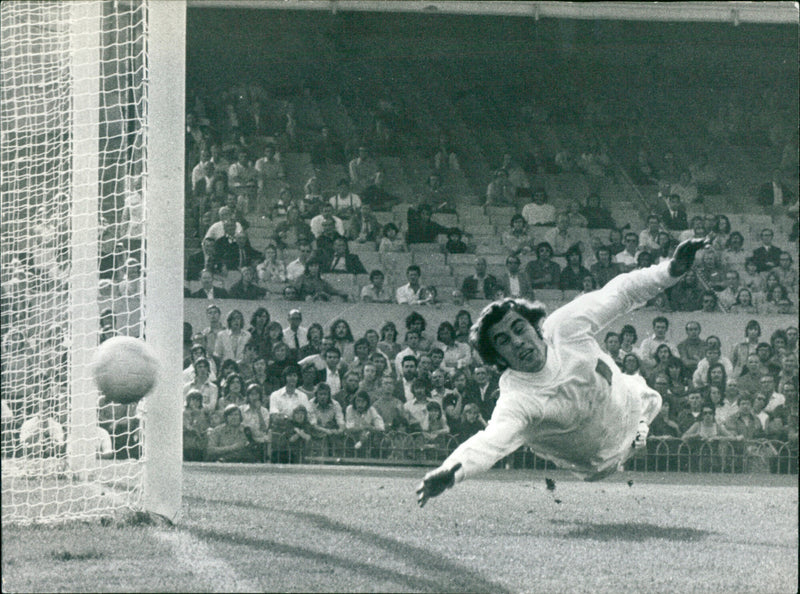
{"points": [[91, 208]]}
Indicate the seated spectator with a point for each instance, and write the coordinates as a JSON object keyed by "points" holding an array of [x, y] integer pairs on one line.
{"points": [[455, 243], [328, 412], [500, 191], [247, 255], [538, 211], [648, 238], [311, 203], [685, 188], [41, 434], [255, 417], [562, 236], [596, 215], [341, 260], [785, 272], [643, 172], [709, 303], [543, 272], [674, 215], [627, 340], [350, 386], [388, 344], [775, 192], [705, 177], [413, 292], [744, 303], [272, 269], [242, 176], [516, 174], [271, 177], [615, 244], [362, 169], [327, 150], [744, 423], [292, 231], [228, 442], [707, 428], [514, 282], [392, 241], [456, 355], [603, 270], [697, 229], [722, 232], [389, 407], [663, 425], [434, 194], [732, 254], [626, 259], [297, 267], [571, 278], [480, 285], [517, 240], [226, 216], [363, 227], [345, 203], [710, 270], [766, 256], [648, 347], [310, 286], [375, 291], [205, 259], [327, 214], [230, 342], [195, 428], [777, 302], [469, 423], [692, 349], [343, 339], [245, 287], [712, 357], [631, 365], [362, 421], [296, 437], [376, 196], [611, 344], [728, 294], [421, 228], [435, 434]]}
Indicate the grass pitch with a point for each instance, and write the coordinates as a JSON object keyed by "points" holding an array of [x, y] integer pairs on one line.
{"points": [[300, 528]]}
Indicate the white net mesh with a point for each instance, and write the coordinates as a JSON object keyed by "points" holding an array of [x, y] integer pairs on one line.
{"points": [[73, 137]]}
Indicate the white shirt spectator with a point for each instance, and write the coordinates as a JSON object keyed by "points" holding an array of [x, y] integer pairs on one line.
{"points": [[316, 225], [283, 403], [539, 214], [217, 230]]}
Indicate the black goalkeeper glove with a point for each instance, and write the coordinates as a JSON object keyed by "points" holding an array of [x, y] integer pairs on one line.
{"points": [[683, 258], [435, 483]]}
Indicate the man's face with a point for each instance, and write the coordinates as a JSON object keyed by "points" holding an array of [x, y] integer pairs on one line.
{"points": [[513, 265], [412, 340], [766, 237], [631, 242], [712, 355], [339, 247], [481, 376], [409, 370], [660, 329], [791, 334], [693, 330], [436, 359], [331, 360], [518, 343], [437, 378], [543, 253], [562, 222], [413, 277], [604, 257], [694, 400], [480, 266], [709, 303], [351, 382], [767, 384], [213, 314], [207, 280], [248, 275], [574, 258], [732, 280], [652, 224]]}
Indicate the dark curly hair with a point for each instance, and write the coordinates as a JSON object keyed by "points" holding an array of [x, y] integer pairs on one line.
{"points": [[479, 337]]}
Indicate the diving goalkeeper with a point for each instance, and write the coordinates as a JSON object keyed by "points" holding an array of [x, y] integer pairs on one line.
{"points": [[560, 393]]}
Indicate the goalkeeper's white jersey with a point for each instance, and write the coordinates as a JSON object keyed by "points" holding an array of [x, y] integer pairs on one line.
{"points": [[580, 410]]}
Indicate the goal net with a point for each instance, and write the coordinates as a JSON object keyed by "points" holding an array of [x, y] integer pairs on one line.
{"points": [[75, 257]]}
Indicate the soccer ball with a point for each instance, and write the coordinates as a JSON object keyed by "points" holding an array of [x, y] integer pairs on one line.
{"points": [[124, 369]]}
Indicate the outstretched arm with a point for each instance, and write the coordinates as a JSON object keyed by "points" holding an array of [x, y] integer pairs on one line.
{"points": [[591, 312]]}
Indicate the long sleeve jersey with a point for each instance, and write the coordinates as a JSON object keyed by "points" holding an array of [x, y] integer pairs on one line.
{"points": [[579, 411]]}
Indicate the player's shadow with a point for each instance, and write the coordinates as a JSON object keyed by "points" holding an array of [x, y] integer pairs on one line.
{"points": [[632, 532]]}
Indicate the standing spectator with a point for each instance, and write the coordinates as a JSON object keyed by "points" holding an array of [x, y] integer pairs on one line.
{"points": [[214, 315], [766, 256], [480, 285], [312, 201], [543, 272], [389, 407], [538, 211], [327, 150], [514, 282], [343, 339], [195, 428]]}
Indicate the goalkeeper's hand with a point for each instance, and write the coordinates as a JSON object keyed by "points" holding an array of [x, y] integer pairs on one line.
{"points": [[435, 483], [683, 258]]}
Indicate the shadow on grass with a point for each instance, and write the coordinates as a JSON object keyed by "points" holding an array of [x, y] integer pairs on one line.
{"points": [[632, 532], [438, 573]]}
